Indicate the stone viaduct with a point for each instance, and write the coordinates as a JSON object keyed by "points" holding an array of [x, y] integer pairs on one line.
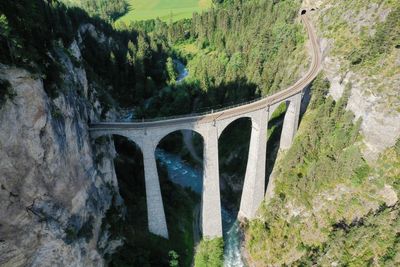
{"points": [[147, 135]]}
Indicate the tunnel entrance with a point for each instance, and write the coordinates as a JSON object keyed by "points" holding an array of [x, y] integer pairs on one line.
{"points": [[303, 12]]}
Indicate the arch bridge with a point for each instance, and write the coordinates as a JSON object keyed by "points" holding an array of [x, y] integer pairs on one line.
{"points": [[147, 135]]}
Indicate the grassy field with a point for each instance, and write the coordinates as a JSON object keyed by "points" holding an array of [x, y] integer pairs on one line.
{"points": [[164, 9]]}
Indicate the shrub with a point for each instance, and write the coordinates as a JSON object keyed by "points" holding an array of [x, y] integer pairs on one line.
{"points": [[56, 113], [173, 256], [210, 252]]}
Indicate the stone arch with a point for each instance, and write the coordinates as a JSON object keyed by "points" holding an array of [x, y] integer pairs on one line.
{"points": [[130, 139], [291, 121], [286, 134], [185, 143], [281, 115], [279, 109], [129, 170], [275, 107], [164, 133], [223, 124], [133, 138], [170, 167], [233, 167], [112, 135], [276, 117]]}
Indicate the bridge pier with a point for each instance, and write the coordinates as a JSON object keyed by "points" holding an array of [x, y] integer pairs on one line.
{"points": [[291, 122], [254, 182], [155, 207], [211, 203]]}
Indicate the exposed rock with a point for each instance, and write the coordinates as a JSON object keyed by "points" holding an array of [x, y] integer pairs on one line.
{"points": [[366, 17], [79, 71], [54, 194], [373, 98], [389, 195], [90, 29], [380, 125]]}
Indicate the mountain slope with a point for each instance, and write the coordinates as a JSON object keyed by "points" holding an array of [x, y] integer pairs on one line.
{"points": [[335, 198], [361, 44]]}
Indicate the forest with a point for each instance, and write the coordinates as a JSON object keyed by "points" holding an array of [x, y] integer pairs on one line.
{"points": [[108, 10]]}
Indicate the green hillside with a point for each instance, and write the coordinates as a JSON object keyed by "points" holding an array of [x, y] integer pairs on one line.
{"points": [[164, 9]]}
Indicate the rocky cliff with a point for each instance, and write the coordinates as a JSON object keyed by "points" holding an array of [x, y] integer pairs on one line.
{"points": [[55, 183], [348, 32]]}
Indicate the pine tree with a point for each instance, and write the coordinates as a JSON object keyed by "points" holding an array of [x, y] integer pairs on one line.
{"points": [[129, 59], [112, 57], [132, 48], [171, 70], [143, 48]]}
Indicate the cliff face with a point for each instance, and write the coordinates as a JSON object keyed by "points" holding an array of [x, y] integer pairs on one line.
{"points": [[349, 31], [54, 190]]}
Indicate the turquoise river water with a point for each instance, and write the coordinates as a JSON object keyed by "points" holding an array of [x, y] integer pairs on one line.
{"points": [[185, 175]]}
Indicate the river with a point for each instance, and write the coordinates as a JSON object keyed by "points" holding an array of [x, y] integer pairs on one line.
{"points": [[183, 72], [185, 175]]}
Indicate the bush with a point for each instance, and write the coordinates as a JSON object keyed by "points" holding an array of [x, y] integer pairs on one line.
{"points": [[210, 253], [320, 89], [173, 259], [56, 113]]}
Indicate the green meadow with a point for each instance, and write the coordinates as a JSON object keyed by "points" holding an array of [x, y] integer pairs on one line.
{"points": [[163, 9]]}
